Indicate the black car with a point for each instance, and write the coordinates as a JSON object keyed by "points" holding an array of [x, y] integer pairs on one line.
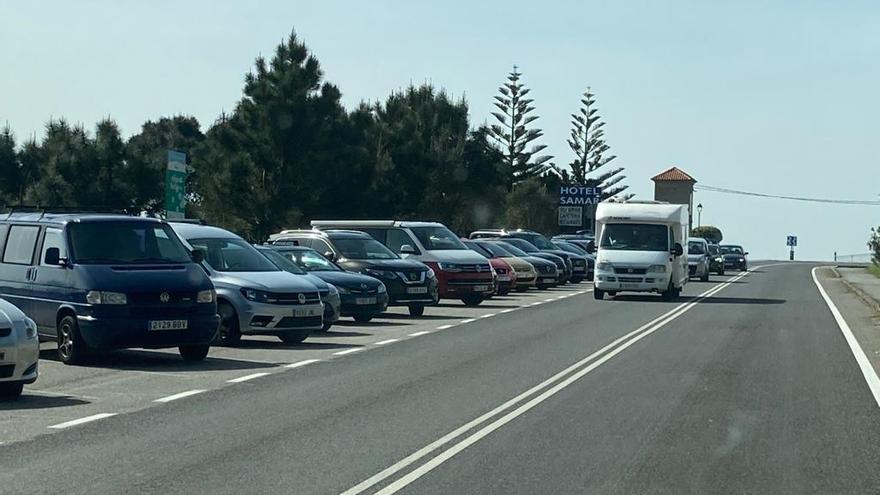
{"points": [[547, 269], [563, 268], [581, 262], [361, 296], [409, 283], [537, 240], [734, 256]]}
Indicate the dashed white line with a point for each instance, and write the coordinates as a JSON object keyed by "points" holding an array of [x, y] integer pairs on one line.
{"points": [[246, 378], [444, 327], [299, 364], [180, 395], [423, 332], [383, 342], [469, 320], [549, 299], [536, 303], [510, 310], [87, 419], [488, 315], [348, 351]]}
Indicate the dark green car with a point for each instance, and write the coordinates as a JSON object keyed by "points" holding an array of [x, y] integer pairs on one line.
{"points": [[716, 259]]}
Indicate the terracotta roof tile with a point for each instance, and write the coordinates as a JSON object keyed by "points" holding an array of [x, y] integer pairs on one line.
{"points": [[673, 174]]}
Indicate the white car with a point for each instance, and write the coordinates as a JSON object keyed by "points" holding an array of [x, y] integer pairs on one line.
{"points": [[699, 259], [19, 350]]}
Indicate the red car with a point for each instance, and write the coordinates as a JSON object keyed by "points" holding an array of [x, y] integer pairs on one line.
{"points": [[505, 275]]}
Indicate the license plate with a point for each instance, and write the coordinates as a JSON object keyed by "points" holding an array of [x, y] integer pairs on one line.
{"points": [[365, 300], [629, 286], [481, 288], [580, 269], [549, 280], [306, 312], [504, 279], [168, 324], [416, 290]]}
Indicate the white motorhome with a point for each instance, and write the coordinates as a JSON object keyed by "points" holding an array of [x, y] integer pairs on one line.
{"points": [[639, 248]]}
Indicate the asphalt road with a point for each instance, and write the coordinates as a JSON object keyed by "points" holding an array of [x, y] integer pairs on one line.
{"points": [[749, 388]]}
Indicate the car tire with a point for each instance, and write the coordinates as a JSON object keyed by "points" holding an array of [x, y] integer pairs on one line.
{"points": [[293, 336], [472, 299], [326, 327], [363, 318], [669, 293], [72, 349], [229, 334], [416, 309], [522, 289], [598, 294], [11, 391], [705, 277], [194, 353]]}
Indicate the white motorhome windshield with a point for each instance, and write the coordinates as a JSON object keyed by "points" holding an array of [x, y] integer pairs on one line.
{"points": [[635, 237]]}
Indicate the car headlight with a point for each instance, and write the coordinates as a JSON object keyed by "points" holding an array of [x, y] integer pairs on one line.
{"points": [[719, 259], [382, 274], [430, 273], [334, 291], [255, 295], [104, 297], [30, 328], [449, 267], [206, 296], [604, 266], [381, 289], [343, 290], [657, 268]]}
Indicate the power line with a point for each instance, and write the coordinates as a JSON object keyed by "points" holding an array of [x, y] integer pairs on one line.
{"points": [[790, 198]]}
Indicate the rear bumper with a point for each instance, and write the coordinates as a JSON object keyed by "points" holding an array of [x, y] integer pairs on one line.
{"points": [[120, 333]]}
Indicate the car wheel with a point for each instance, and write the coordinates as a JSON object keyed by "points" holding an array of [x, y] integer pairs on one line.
{"points": [[194, 353], [669, 293], [416, 309], [472, 299], [598, 294], [363, 318], [11, 390], [229, 333], [326, 327], [522, 289], [72, 349], [705, 277], [293, 336], [577, 280]]}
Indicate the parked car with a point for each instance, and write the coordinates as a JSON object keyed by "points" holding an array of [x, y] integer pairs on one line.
{"points": [[461, 273], [93, 281], [410, 283], [537, 240], [716, 260], [19, 350], [734, 256], [581, 262], [526, 274], [362, 297], [527, 247], [505, 275], [328, 292], [698, 258], [547, 270], [254, 297]]}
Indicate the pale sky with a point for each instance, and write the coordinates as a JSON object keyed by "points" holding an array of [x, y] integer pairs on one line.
{"points": [[777, 99]]}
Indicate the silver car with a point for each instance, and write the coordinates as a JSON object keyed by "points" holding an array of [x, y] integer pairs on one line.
{"points": [[19, 350], [698, 258], [253, 295]]}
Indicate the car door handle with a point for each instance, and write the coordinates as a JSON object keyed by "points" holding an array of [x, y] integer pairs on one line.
{"points": [[27, 274], [33, 274]]}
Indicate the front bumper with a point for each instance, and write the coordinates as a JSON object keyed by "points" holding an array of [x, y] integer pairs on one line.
{"points": [[121, 333], [18, 359], [401, 294], [526, 279], [261, 318], [455, 285], [356, 304], [651, 282]]}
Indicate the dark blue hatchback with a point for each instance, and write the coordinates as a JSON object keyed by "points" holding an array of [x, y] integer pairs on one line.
{"points": [[106, 282]]}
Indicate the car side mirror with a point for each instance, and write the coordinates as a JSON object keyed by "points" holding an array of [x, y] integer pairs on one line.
{"points": [[407, 249], [53, 257], [198, 255], [677, 250], [591, 247], [746, 253], [330, 255]]}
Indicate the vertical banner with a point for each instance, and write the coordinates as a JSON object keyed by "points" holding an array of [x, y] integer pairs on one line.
{"points": [[175, 186]]}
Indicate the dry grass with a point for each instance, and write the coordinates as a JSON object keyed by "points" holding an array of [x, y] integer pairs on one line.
{"points": [[874, 269]]}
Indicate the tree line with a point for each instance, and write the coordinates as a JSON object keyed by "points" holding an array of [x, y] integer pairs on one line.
{"points": [[290, 152]]}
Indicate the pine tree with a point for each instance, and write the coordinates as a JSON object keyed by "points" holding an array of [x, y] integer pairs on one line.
{"points": [[587, 142], [9, 167]]}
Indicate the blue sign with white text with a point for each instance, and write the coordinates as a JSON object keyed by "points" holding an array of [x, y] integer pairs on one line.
{"points": [[576, 195]]}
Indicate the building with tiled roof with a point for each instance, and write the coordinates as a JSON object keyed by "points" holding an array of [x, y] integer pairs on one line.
{"points": [[675, 186]]}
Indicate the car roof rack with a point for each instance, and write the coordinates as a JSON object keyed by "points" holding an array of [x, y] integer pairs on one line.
{"points": [[43, 210]]}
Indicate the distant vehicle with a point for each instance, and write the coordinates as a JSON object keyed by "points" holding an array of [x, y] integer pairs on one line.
{"points": [[581, 241], [328, 292], [698, 258], [254, 297], [19, 350], [581, 262], [640, 248], [716, 260], [526, 274], [93, 281], [362, 297], [505, 275], [409, 282], [537, 240], [548, 269], [734, 256]]}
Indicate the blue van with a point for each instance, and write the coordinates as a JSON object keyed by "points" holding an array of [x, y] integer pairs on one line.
{"points": [[97, 281]]}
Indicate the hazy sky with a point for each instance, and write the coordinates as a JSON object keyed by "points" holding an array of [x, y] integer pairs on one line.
{"points": [[776, 99]]}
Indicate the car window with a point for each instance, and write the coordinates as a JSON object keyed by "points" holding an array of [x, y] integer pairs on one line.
{"points": [[53, 239], [731, 250], [394, 238], [233, 255], [124, 242], [312, 261], [437, 237], [494, 249], [522, 244], [364, 249], [479, 249], [514, 250], [634, 237], [713, 249], [695, 248], [321, 246], [21, 244]]}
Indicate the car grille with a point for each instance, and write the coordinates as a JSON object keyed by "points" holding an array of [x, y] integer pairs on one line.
{"points": [[292, 298], [580, 263], [412, 277], [478, 281], [158, 297], [637, 271], [6, 370], [293, 322], [630, 279], [546, 269], [374, 290]]}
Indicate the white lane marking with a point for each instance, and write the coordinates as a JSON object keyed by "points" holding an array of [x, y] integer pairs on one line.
{"points": [[246, 378], [87, 419], [348, 351], [549, 299], [864, 364], [444, 327], [180, 395], [536, 303], [488, 315], [299, 364], [469, 320], [417, 334], [647, 328], [383, 342], [562, 297], [510, 310]]}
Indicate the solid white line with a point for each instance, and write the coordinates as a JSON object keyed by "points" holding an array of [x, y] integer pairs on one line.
{"points": [[536, 303], [469, 320], [417, 334], [647, 328], [348, 351], [488, 315], [510, 310], [87, 419], [301, 363], [550, 299], [444, 327], [864, 364], [180, 395], [383, 342], [246, 378]]}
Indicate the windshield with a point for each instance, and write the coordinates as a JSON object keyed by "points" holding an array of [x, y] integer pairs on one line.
{"points": [[731, 250], [473, 246], [570, 248], [363, 249], [125, 242], [695, 248], [233, 255], [713, 249], [509, 247], [522, 244], [635, 237], [495, 249], [311, 261], [281, 261], [537, 240], [438, 237]]}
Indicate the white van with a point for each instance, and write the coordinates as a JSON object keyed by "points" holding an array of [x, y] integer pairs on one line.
{"points": [[640, 248]]}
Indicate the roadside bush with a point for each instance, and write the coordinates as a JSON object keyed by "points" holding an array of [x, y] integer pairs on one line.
{"points": [[874, 245], [708, 232]]}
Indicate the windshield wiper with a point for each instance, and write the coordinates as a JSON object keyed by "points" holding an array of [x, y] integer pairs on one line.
{"points": [[154, 260]]}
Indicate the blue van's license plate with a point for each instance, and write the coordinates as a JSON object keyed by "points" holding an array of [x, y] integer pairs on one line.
{"points": [[168, 324]]}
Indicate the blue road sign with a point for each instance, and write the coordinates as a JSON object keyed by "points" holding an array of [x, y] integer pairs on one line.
{"points": [[791, 241]]}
